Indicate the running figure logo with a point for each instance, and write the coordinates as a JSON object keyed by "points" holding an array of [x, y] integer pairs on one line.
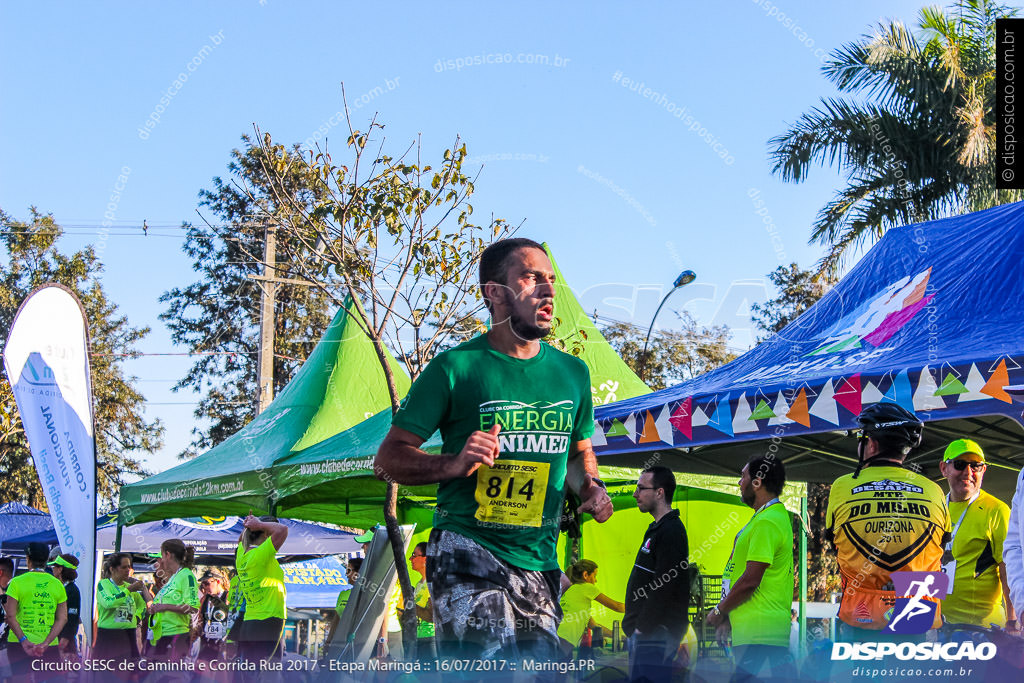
{"points": [[918, 599]]}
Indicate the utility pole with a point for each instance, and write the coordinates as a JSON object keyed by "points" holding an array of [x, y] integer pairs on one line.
{"points": [[265, 363]]}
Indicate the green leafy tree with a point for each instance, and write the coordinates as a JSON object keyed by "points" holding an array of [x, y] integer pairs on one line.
{"points": [[122, 433], [672, 355], [922, 143], [798, 289], [217, 317]]}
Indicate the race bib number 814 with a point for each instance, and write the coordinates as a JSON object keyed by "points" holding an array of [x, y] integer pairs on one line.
{"points": [[512, 492]]}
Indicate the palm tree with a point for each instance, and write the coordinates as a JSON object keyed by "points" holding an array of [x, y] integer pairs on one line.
{"points": [[921, 144]]}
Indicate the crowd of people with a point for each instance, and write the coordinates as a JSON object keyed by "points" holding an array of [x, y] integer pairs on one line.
{"points": [[175, 619], [516, 418]]}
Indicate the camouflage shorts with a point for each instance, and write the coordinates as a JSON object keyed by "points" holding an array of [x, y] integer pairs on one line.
{"points": [[487, 609]]}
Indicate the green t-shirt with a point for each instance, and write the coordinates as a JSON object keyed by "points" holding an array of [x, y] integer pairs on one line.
{"points": [[542, 405], [421, 594], [977, 596], [262, 581], [38, 594], [576, 602], [116, 606], [182, 589], [343, 597], [764, 618]]}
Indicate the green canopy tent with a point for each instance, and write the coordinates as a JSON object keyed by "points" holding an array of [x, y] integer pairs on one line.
{"points": [[334, 479], [338, 386]]}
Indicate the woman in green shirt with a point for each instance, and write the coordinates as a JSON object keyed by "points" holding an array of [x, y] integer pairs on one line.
{"points": [[262, 582], [118, 597], [176, 601]]}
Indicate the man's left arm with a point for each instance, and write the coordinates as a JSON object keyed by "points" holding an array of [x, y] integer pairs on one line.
{"points": [[580, 473]]}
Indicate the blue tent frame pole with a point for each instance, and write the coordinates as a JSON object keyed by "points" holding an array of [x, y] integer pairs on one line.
{"points": [[804, 525]]}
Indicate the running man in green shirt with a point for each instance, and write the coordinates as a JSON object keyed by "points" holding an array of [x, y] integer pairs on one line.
{"points": [[516, 416], [36, 609], [758, 581]]}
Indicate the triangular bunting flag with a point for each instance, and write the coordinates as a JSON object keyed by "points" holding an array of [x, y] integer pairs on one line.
{"points": [[899, 392], [617, 429], [848, 394], [798, 411], [825, 406], [630, 425], [946, 370], [994, 386], [870, 394], [974, 384], [1010, 364], [951, 386], [597, 438], [682, 418], [650, 433], [780, 409], [722, 418], [763, 411], [741, 421], [699, 418], [664, 426], [925, 398]]}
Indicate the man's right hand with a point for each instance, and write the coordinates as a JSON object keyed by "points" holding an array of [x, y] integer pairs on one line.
{"points": [[481, 448]]}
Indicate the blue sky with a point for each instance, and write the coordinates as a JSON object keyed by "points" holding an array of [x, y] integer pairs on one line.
{"points": [[633, 138]]}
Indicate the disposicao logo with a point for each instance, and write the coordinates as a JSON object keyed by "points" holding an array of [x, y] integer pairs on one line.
{"points": [[919, 594], [876, 320]]}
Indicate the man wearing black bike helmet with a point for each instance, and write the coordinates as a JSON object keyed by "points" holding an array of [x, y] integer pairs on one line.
{"points": [[883, 518]]}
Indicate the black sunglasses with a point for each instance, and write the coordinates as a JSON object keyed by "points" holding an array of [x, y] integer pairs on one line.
{"points": [[961, 465]]}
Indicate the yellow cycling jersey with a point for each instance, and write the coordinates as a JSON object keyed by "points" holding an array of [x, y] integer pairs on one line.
{"points": [[887, 519]]}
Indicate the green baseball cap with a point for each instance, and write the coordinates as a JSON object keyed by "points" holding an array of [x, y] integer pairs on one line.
{"points": [[962, 447], [365, 538]]}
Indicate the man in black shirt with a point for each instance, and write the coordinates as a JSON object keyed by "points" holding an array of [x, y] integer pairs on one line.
{"points": [[65, 568], [658, 592]]}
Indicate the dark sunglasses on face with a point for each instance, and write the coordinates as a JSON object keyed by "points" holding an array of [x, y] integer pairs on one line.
{"points": [[961, 465]]}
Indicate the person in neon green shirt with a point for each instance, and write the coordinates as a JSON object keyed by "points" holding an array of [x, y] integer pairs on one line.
{"points": [[175, 602], [758, 581], [576, 602], [973, 559], [36, 609], [118, 598], [354, 565], [262, 581]]}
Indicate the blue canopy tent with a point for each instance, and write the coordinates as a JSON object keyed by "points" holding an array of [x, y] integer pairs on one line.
{"points": [[210, 536], [18, 520], [930, 318]]}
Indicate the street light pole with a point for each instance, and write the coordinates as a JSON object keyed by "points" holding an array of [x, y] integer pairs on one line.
{"points": [[684, 278]]}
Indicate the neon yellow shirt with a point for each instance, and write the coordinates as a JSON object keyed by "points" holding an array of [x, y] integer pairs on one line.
{"points": [[38, 595], [576, 603], [978, 549], [262, 581], [764, 618], [115, 606], [182, 589]]}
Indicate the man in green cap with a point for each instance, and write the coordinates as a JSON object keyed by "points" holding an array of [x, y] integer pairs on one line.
{"points": [[973, 559]]}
